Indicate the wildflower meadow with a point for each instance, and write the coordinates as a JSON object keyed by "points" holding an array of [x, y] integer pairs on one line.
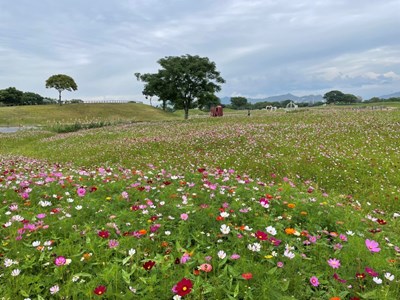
{"points": [[274, 206]]}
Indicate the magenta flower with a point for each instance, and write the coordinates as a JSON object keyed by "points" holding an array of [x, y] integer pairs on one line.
{"points": [[81, 192], [371, 272], [314, 281], [334, 263], [372, 245], [60, 261]]}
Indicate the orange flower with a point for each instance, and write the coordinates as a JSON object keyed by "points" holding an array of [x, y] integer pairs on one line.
{"points": [[164, 244], [335, 298], [303, 213], [291, 205], [290, 231], [142, 231]]}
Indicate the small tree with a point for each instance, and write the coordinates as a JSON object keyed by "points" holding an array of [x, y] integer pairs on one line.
{"points": [[238, 102], [61, 82]]}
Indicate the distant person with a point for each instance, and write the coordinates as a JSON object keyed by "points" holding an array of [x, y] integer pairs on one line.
{"points": [[248, 112]]}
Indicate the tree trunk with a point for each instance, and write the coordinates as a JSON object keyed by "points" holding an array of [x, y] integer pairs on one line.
{"points": [[186, 113], [59, 97]]}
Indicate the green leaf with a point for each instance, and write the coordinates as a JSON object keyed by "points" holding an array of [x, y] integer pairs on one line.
{"points": [[236, 291], [272, 271], [285, 285], [126, 277], [23, 293], [125, 260]]}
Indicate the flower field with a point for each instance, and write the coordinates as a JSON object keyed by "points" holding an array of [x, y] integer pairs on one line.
{"points": [[276, 206]]}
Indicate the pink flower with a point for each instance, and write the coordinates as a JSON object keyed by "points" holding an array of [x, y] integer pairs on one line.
{"points": [[206, 268], [60, 261], [334, 263], [314, 281], [185, 257], [184, 217], [41, 216], [81, 192], [372, 245], [113, 243]]}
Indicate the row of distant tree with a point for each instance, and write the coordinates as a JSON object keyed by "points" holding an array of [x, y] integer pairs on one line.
{"points": [[12, 96]]}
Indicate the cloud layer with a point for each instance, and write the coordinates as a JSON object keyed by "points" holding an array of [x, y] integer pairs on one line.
{"points": [[262, 48]]}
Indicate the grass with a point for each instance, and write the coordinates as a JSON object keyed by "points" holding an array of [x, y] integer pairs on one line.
{"points": [[47, 115], [325, 180]]}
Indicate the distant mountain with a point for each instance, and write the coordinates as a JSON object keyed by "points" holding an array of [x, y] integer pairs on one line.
{"points": [[394, 95], [279, 98]]}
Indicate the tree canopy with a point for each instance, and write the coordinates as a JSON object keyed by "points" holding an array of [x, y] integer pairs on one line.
{"points": [[337, 97], [238, 102], [61, 82], [185, 81]]}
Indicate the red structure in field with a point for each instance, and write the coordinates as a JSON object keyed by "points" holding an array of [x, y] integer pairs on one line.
{"points": [[216, 111]]}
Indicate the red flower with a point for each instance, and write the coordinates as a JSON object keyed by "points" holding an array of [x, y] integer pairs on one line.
{"points": [[103, 234], [100, 290], [247, 276], [148, 265], [201, 170], [381, 221], [183, 287], [360, 275], [92, 189], [261, 235], [167, 182]]}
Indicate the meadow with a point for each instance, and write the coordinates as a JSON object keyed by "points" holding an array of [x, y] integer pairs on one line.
{"points": [[274, 206]]}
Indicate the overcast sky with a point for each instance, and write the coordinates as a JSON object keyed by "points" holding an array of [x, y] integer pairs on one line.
{"points": [[262, 48]]}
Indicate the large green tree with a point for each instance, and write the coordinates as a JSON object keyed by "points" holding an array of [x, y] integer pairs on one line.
{"points": [[183, 80], [61, 82]]}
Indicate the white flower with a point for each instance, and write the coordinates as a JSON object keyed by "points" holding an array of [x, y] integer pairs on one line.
{"points": [[8, 262], [225, 229], [167, 232], [131, 252], [271, 230], [396, 215], [176, 297], [54, 289], [377, 280], [15, 272], [255, 247], [247, 228], [288, 247], [78, 207], [36, 243], [75, 278], [349, 232], [224, 214], [8, 224], [389, 276], [221, 254], [132, 289], [289, 254], [70, 200], [17, 218]]}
